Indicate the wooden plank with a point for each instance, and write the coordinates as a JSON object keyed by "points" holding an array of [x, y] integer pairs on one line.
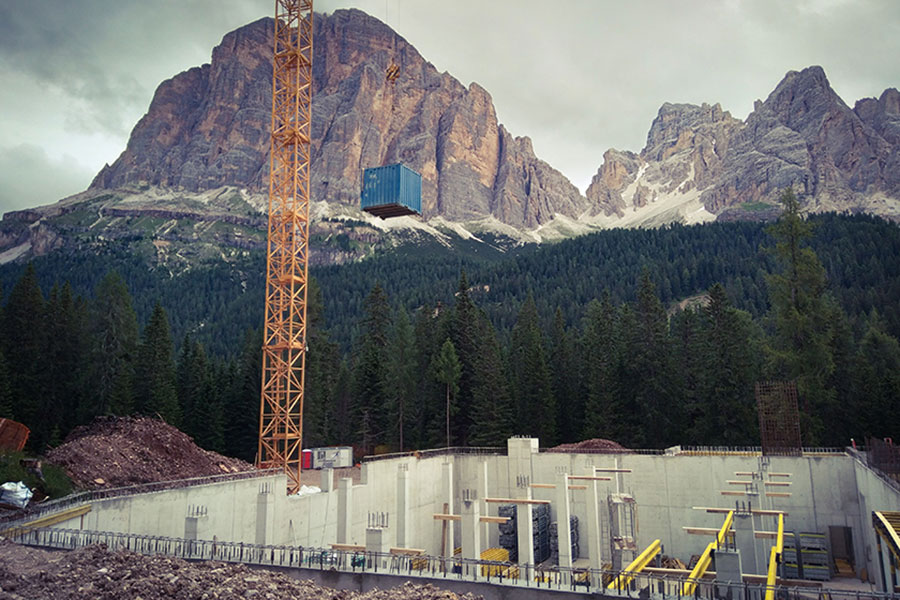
{"points": [[548, 486], [755, 511], [350, 547], [779, 474], [516, 500], [778, 483], [770, 535], [744, 473], [446, 517], [407, 551], [729, 493], [47, 521], [577, 487], [739, 482], [778, 494], [589, 478], [703, 530], [610, 470], [487, 519]]}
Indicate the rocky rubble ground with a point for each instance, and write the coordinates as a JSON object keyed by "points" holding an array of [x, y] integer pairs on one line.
{"points": [[592, 445], [118, 451], [98, 573]]}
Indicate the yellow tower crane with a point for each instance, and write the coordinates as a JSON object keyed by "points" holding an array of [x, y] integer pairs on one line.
{"points": [[287, 264]]}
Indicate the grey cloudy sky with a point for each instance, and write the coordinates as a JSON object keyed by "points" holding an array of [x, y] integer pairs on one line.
{"points": [[577, 76]]}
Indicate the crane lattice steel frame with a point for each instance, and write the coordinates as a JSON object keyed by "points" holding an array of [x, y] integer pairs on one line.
{"points": [[287, 265]]}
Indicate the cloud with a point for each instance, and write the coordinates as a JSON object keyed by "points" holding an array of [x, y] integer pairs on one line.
{"points": [[32, 178]]}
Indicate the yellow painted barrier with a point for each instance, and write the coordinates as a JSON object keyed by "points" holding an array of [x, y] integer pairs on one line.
{"points": [[706, 558], [636, 566]]}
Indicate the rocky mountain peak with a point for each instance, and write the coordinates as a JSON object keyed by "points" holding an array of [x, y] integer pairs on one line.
{"points": [[209, 127]]}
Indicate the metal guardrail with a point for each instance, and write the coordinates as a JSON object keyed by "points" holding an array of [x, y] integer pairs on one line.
{"points": [[486, 450], [429, 567], [38, 510]]}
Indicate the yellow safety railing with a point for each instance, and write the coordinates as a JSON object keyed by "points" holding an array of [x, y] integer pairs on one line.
{"points": [[706, 558], [636, 566], [774, 559]]}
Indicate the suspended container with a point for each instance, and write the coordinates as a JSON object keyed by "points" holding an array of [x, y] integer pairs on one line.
{"points": [[392, 191]]}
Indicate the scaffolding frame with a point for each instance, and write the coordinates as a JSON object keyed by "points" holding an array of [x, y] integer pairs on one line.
{"points": [[287, 264]]}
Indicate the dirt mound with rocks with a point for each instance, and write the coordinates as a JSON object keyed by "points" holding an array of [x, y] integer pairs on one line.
{"points": [[119, 451], [592, 445], [96, 573]]}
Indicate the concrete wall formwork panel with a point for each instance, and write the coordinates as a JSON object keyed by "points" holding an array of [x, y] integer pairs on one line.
{"points": [[228, 510]]}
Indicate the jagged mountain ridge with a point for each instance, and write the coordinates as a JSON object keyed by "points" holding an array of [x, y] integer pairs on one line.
{"points": [[803, 135], [191, 182]]}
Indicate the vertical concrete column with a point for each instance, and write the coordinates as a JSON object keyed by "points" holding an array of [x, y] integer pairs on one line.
{"points": [[563, 513], [482, 488], [265, 515], [471, 529], [594, 543], [376, 541], [745, 541], [403, 535], [345, 510], [525, 530], [326, 479], [196, 523], [447, 498]]}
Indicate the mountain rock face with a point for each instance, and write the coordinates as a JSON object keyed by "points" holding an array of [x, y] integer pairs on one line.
{"points": [[804, 136], [191, 184], [209, 127]]}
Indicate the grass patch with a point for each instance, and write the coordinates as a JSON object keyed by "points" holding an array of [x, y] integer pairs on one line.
{"points": [[56, 483]]}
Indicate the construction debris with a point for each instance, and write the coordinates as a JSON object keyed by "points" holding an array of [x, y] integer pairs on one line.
{"points": [[119, 451], [96, 572], [593, 445]]}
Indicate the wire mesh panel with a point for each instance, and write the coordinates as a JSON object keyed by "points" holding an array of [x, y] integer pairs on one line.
{"points": [[779, 418]]}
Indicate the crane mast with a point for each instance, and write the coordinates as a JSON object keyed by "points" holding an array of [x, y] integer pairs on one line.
{"points": [[287, 265]]}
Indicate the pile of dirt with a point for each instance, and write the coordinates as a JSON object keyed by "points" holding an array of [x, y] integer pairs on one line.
{"points": [[95, 572], [118, 451], [593, 446]]}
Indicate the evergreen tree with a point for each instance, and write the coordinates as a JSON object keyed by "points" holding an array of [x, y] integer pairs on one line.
{"points": [[241, 425], [730, 355], [67, 356], [654, 412], [400, 379], [6, 406], [602, 412], [530, 375], [447, 370], [24, 338], [464, 335], [322, 363], [370, 397], [114, 330], [800, 349], [878, 382], [491, 402], [688, 356], [155, 376], [565, 380]]}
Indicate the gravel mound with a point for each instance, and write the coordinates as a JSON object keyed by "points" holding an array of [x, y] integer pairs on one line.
{"points": [[119, 451], [593, 445], [97, 573]]}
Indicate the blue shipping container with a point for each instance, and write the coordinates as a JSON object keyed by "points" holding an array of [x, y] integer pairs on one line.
{"points": [[392, 191]]}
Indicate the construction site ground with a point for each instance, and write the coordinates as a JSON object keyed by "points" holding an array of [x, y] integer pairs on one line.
{"points": [[98, 573]]}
